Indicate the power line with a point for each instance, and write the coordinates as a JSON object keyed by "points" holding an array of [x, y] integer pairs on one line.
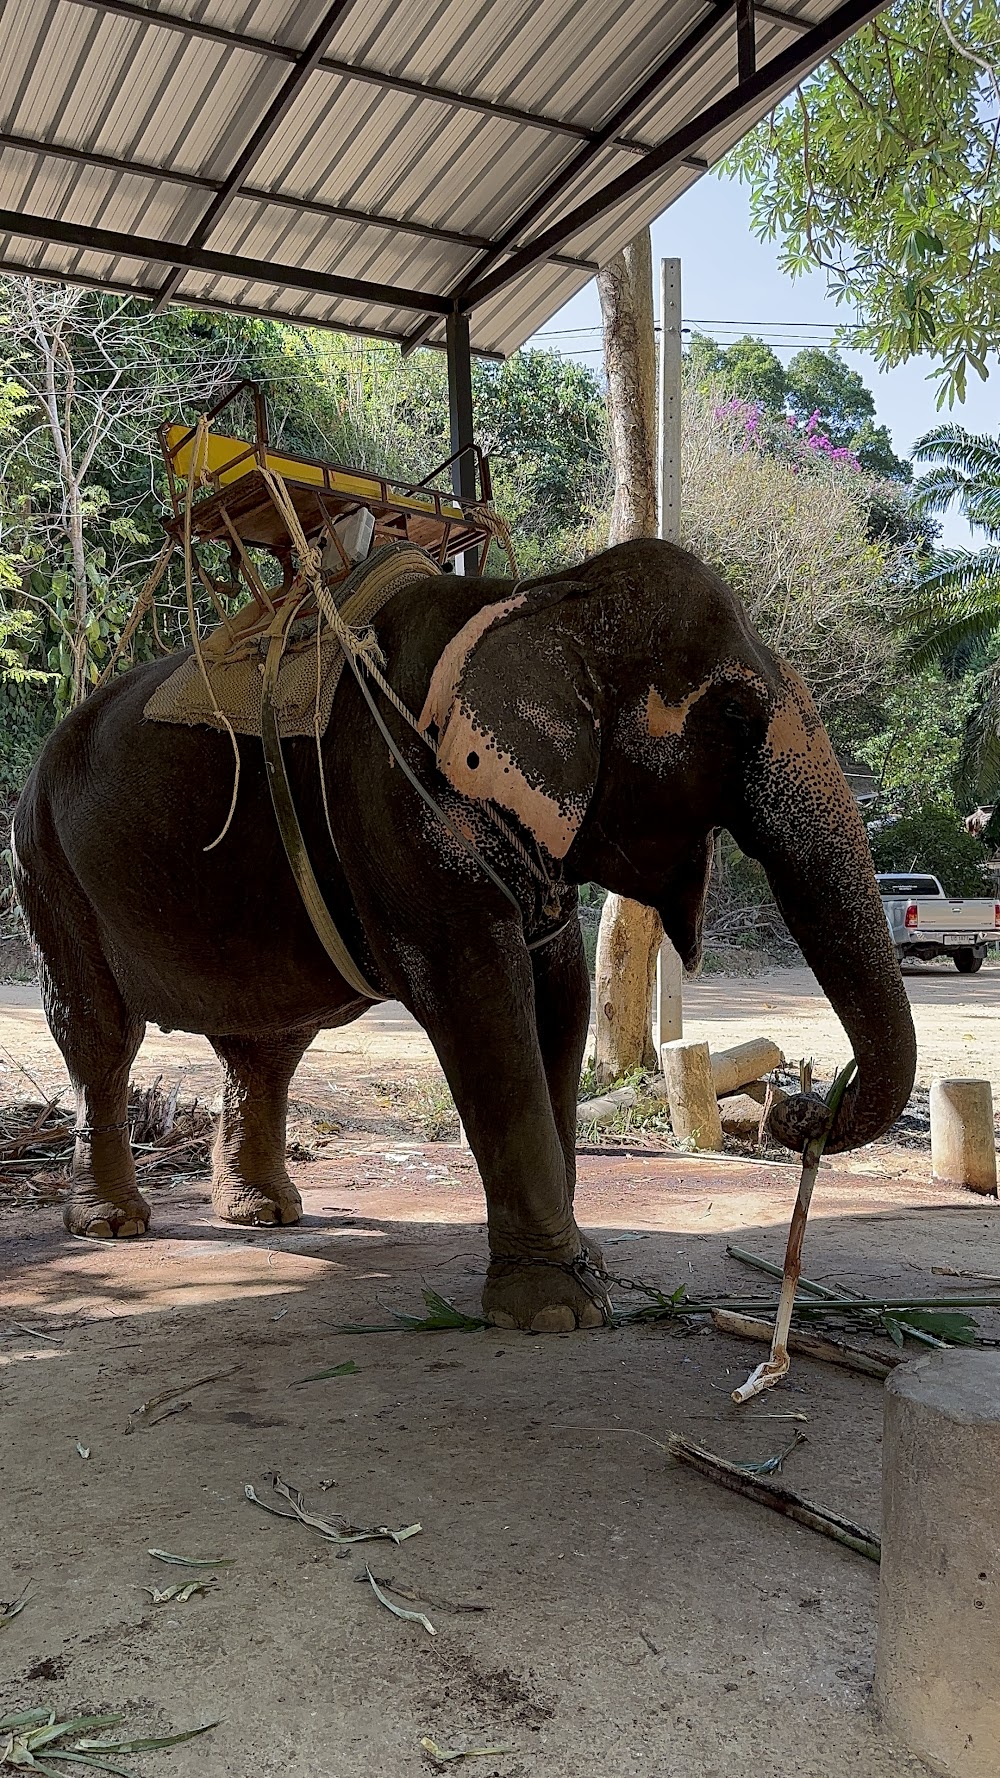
{"points": [[741, 327]]}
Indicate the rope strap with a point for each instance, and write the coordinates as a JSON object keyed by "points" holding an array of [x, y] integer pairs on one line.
{"points": [[364, 652]]}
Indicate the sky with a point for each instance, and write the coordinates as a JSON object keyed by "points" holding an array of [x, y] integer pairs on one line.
{"points": [[727, 276]]}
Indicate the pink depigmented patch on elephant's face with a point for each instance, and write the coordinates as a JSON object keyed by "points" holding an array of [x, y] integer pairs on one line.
{"points": [[476, 767], [669, 719], [445, 678]]}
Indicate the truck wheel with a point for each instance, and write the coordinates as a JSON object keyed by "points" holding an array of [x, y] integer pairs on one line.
{"points": [[967, 962]]}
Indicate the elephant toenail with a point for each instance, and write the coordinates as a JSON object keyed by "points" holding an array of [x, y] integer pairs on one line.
{"points": [[557, 1318]]}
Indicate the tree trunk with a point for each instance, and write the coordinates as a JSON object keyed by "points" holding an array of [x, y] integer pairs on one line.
{"points": [[630, 934], [80, 600], [627, 943]]}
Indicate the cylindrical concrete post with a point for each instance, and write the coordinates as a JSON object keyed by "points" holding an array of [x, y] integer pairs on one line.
{"points": [[694, 1109], [963, 1149], [937, 1676]]}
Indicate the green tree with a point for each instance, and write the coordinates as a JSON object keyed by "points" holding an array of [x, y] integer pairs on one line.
{"points": [[748, 369], [755, 373], [882, 169], [953, 616], [932, 838], [819, 382]]}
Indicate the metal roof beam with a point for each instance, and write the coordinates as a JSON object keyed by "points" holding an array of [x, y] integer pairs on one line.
{"points": [[773, 80], [399, 83], [792, 21], [746, 41], [308, 206], [10, 268], [270, 123], [221, 265], [532, 120], [187, 27], [643, 94]]}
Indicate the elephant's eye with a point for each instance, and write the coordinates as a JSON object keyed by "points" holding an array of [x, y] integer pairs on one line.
{"points": [[472, 761]]}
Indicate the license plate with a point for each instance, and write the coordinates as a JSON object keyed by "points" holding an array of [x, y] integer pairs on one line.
{"points": [[958, 938]]}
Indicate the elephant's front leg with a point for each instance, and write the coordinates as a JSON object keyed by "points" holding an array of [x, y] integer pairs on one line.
{"points": [[483, 1024]]}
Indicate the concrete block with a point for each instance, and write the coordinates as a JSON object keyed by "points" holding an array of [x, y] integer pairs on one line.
{"points": [[694, 1110], [937, 1677], [963, 1149]]}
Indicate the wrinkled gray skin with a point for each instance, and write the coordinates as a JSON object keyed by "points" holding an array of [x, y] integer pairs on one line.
{"points": [[617, 714]]}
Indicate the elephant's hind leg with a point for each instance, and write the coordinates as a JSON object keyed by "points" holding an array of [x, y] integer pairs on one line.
{"points": [[250, 1182], [95, 1031]]}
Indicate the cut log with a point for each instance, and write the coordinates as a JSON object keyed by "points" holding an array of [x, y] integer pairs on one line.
{"points": [[694, 1110], [733, 1069], [602, 1109], [759, 1089]]}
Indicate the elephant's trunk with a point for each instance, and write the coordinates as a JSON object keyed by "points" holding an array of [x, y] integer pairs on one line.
{"points": [[809, 836]]}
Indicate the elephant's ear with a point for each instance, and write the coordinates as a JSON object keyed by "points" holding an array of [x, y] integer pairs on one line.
{"points": [[512, 702]]}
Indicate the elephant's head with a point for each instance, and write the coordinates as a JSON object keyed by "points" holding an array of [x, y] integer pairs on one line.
{"points": [[626, 709]]}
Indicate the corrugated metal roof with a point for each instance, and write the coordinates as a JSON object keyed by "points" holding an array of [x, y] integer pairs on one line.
{"points": [[420, 147]]}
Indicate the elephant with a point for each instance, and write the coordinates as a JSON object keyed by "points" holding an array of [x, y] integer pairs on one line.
{"points": [[598, 724]]}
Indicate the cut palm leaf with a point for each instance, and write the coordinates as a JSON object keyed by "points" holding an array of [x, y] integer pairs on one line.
{"points": [[339, 1530], [347, 1369], [193, 1561], [412, 1617]]}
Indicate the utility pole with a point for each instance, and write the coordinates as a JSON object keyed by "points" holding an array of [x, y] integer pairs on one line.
{"points": [[668, 1019]]}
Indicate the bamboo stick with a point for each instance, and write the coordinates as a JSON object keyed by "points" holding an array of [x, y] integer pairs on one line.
{"points": [[776, 1496], [778, 1363]]}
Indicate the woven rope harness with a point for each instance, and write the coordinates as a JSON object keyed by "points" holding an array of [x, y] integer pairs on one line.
{"points": [[365, 660]]}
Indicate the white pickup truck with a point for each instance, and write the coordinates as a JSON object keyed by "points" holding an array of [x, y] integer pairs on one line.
{"points": [[926, 923]]}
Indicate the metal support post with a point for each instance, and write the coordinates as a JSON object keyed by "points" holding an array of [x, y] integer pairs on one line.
{"points": [[463, 470], [668, 1020], [746, 41]]}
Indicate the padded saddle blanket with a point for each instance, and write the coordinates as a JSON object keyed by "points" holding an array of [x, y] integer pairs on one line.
{"points": [[234, 656]]}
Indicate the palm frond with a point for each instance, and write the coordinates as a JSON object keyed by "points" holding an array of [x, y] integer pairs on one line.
{"points": [[981, 506], [977, 775], [936, 491], [962, 572], [938, 641], [975, 454]]}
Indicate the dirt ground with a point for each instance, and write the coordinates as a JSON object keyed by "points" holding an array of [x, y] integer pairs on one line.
{"points": [[597, 1608]]}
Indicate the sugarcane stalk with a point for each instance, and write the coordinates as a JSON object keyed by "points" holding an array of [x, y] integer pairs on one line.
{"points": [[777, 1365], [849, 1358], [776, 1496]]}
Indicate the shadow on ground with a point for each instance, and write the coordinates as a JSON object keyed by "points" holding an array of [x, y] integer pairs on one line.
{"points": [[595, 1606]]}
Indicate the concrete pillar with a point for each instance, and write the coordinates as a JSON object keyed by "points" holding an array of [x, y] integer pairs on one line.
{"points": [[963, 1150], [668, 1006], [694, 1109], [937, 1675]]}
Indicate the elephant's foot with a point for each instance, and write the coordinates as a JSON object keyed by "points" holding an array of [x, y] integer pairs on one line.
{"points": [[547, 1296], [106, 1219], [256, 1206]]}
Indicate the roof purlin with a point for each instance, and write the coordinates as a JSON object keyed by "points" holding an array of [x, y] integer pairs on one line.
{"points": [[225, 265], [201, 182], [604, 138], [775, 76], [301, 69]]}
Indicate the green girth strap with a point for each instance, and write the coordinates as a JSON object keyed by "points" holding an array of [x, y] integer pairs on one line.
{"points": [[291, 834]]}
